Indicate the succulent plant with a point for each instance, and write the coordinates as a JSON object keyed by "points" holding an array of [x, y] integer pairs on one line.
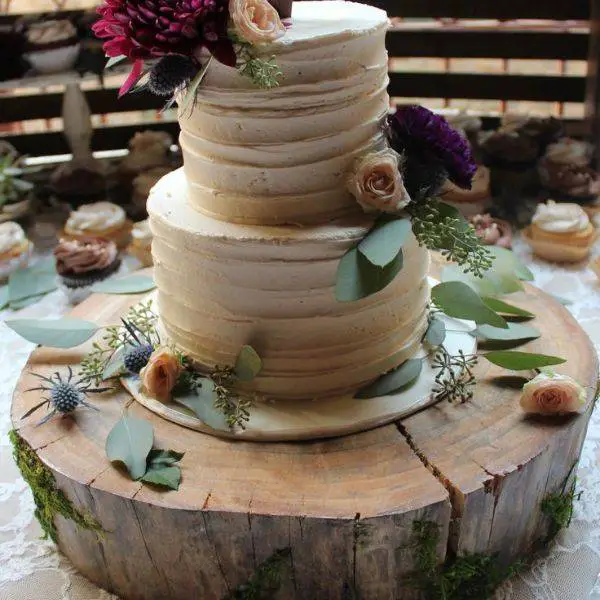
{"points": [[12, 187]]}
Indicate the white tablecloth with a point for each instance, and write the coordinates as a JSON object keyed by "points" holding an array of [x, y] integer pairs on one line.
{"points": [[32, 569]]}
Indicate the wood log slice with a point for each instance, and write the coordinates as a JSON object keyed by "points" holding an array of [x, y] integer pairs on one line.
{"points": [[343, 510]]}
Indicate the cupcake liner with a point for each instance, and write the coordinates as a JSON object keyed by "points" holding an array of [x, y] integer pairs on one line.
{"points": [[9, 266], [560, 253], [78, 287]]}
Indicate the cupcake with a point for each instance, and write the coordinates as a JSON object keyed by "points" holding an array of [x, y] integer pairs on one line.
{"points": [[82, 263], [147, 149], [560, 232], [141, 244], [473, 201], [144, 182], [541, 130], [565, 174], [53, 46], [99, 220], [491, 231], [15, 248]]}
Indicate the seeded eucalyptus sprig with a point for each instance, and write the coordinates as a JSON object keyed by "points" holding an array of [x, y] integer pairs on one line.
{"points": [[438, 227], [264, 73], [235, 409], [455, 380]]}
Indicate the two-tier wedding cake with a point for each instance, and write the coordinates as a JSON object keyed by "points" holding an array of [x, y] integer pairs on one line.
{"points": [[249, 234]]}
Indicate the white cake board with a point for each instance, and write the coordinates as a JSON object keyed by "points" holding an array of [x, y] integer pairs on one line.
{"points": [[293, 420]]}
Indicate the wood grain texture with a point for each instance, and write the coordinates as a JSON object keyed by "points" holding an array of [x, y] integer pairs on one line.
{"points": [[345, 508]]}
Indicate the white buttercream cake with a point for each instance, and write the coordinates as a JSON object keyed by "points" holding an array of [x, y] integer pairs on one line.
{"points": [[249, 234]]}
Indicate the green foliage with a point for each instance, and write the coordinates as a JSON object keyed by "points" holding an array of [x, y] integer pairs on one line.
{"points": [[399, 379], [521, 361], [130, 284], [438, 226], [49, 499], [248, 364], [467, 577], [129, 442], [12, 187], [383, 243], [54, 333], [558, 507], [455, 380], [266, 580], [264, 73], [235, 409], [95, 363]]}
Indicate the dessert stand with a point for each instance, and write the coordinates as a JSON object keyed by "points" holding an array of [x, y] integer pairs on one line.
{"points": [[344, 508]]}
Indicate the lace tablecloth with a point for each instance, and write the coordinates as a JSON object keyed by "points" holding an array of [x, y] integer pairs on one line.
{"points": [[32, 569]]}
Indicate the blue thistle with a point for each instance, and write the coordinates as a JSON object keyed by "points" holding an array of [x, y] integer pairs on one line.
{"points": [[140, 348], [65, 395]]}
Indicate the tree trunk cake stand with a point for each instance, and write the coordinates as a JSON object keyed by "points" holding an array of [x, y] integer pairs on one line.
{"points": [[337, 515]]}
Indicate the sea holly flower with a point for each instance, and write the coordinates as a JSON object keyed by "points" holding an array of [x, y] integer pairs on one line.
{"points": [[428, 139]]}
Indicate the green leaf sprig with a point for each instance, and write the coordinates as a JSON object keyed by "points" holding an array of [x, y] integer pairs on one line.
{"points": [[130, 443]]}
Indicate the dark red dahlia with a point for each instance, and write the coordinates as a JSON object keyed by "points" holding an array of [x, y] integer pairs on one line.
{"points": [[427, 138], [146, 29]]}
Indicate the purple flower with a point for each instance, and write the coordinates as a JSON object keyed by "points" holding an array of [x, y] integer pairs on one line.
{"points": [[428, 138]]}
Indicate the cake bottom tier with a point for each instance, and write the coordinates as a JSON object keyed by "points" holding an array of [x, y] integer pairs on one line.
{"points": [[223, 285]]}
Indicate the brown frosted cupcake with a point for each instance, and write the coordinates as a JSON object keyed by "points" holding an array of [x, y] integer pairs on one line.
{"points": [[561, 232], [82, 263], [99, 220], [141, 243], [473, 201]]}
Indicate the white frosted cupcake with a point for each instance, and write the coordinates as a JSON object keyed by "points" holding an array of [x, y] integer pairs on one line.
{"points": [[99, 220], [141, 243], [53, 46], [560, 232], [15, 248]]}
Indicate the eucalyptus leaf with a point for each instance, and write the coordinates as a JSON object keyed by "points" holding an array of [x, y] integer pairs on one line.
{"points": [[3, 297], [164, 457], [114, 61], [357, 278], [521, 361], [399, 379], [498, 338], [505, 308], [25, 302], [29, 282], [248, 364], [436, 332], [381, 245], [495, 282], [131, 284], [458, 300], [129, 442], [115, 366], [507, 260], [163, 475], [22, 186], [201, 402], [55, 333]]}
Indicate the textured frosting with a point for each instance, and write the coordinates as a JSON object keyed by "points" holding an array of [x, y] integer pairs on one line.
{"points": [[561, 218], [74, 257], [222, 285], [11, 236], [97, 216], [281, 155]]}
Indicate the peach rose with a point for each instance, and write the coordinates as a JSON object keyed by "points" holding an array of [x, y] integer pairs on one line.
{"points": [[256, 21], [377, 184], [161, 373], [550, 393]]}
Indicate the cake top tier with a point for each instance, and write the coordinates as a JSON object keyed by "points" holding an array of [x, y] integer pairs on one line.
{"points": [[316, 21]]}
